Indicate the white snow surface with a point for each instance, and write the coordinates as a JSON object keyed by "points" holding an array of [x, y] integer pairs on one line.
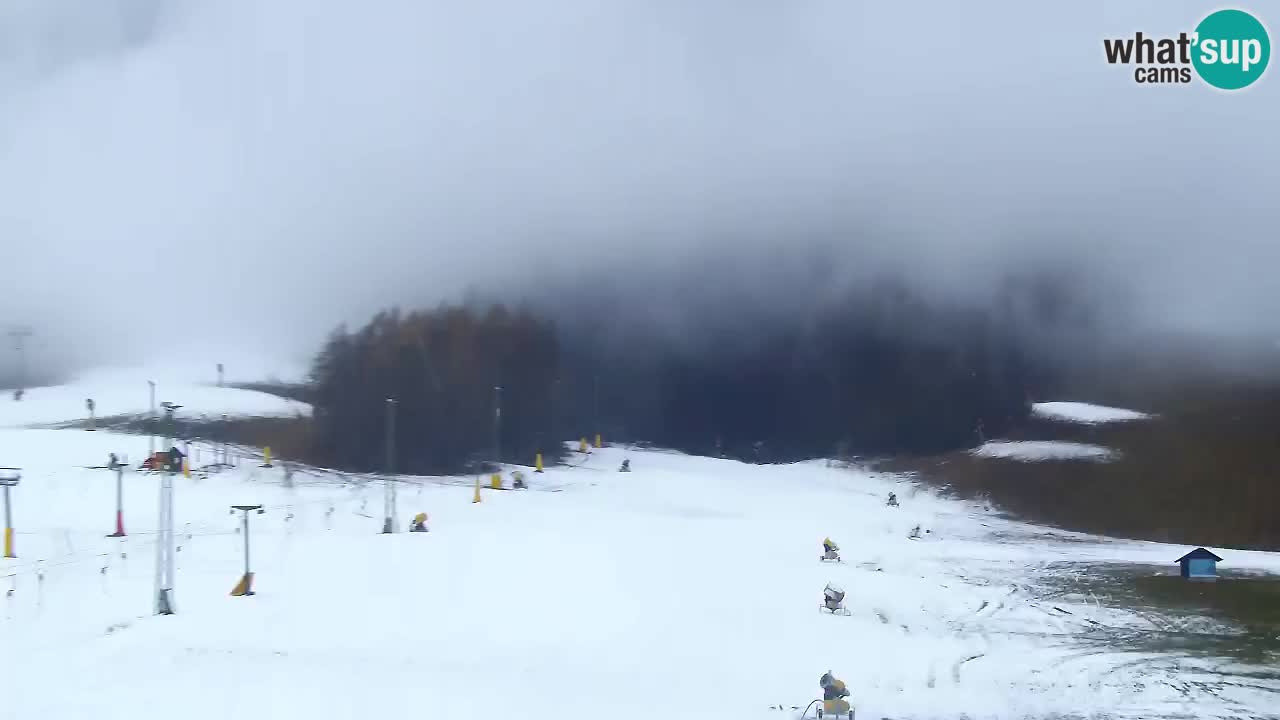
{"points": [[1041, 450], [687, 588], [1077, 412], [124, 391]]}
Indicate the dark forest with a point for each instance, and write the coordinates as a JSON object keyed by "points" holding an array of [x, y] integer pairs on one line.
{"points": [[880, 372]]}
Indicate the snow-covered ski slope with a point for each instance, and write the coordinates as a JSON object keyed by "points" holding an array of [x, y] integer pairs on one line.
{"points": [[688, 588], [125, 391]]}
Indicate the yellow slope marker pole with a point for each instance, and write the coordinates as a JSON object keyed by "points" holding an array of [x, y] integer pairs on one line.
{"points": [[7, 482], [597, 439], [186, 468], [495, 481], [582, 445], [477, 497], [266, 457], [537, 462]]}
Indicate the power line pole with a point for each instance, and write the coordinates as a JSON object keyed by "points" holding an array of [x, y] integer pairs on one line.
{"points": [[219, 374], [556, 436], [170, 424], [9, 480], [118, 467], [389, 523], [151, 422], [226, 459], [497, 426], [19, 336]]}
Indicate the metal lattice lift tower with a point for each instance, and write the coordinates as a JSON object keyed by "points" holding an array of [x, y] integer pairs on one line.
{"points": [[164, 532]]}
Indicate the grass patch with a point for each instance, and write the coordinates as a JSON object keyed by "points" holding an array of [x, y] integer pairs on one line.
{"points": [[288, 437], [1235, 617], [1251, 602], [1202, 473], [300, 392]]}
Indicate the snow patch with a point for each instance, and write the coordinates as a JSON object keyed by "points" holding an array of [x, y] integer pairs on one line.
{"points": [[125, 391], [1040, 450], [1076, 412]]}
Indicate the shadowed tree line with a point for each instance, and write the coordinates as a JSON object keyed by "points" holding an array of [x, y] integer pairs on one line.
{"points": [[880, 372], [442, 368]]}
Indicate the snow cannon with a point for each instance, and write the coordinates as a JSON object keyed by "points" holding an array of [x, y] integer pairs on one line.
{"points": [[830, 551], [419, 523], [834, 693], [833, 600]]}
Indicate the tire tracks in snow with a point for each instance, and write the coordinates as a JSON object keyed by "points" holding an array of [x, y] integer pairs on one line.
{"points": [[955, 669]]}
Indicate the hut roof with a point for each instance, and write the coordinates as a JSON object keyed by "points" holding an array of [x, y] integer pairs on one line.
{"points": [[1199, 554]]}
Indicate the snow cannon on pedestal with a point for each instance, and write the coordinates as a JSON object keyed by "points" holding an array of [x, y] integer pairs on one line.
{"points": [[833, 600], [834, 693], [830, 551]]}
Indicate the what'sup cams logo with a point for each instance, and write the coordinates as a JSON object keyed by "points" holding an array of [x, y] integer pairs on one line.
{"points": [[1229, 50]]}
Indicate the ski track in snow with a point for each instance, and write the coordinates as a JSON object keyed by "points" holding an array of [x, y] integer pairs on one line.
{"points": [[682, 589]]}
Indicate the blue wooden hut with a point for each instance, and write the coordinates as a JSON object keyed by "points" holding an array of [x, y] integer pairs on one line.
{"points": [[1200, 564]]}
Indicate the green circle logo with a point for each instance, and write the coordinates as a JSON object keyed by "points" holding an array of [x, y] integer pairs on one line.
{"points": [[1232, 49]]}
